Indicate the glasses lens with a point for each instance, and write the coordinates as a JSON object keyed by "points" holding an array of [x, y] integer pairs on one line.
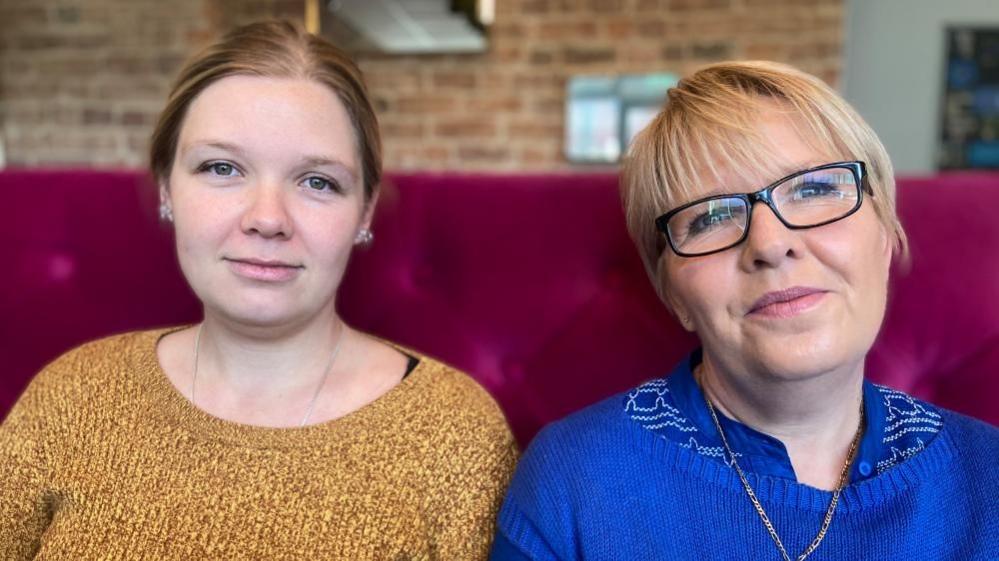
{"points": [[708, 226], [817, 196]]}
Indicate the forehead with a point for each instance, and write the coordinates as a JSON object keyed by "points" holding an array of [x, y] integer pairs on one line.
{"points": [[781, 149], [776, 143], [270, 117]]}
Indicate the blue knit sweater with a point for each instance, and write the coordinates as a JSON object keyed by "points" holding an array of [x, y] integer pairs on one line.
{"points": [[603, 485]]}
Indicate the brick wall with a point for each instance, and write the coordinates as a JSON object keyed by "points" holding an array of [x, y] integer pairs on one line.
{"points": [[81, 81]]}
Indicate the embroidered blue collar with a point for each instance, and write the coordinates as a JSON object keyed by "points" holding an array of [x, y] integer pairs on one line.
{"points": [[898, 426]]}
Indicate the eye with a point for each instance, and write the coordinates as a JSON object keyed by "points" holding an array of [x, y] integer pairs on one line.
{"points": [[815, 189], [317, 183], [705, 222], [709, 220], [220, 169]]}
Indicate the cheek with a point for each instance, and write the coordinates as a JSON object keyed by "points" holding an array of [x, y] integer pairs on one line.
{"points": [[844, 244], [200, 227], [858, 255], [870, 272], [862, 252], [329, 237], [876, 268], [695, 285]]}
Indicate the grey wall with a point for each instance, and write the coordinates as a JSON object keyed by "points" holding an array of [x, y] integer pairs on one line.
{"points": [[893, 72]]}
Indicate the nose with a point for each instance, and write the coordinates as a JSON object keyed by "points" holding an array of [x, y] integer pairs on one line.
{"points": [[266, 212], [769, 242]]}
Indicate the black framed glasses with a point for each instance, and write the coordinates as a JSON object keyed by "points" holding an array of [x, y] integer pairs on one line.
{"points": [[805, 199]]}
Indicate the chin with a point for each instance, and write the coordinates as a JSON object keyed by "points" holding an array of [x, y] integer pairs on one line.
{"points": [[270, 312], [804, 357]]}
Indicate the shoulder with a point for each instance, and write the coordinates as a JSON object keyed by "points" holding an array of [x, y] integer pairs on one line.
{"points": [[581, 446], [68, 388], [971, 436], [453, 409], [975, 446], [590, 427], [911, 421], [458, 433], [453, 387], [452, 392], [445, 385], [92, 364], [574, 471]]}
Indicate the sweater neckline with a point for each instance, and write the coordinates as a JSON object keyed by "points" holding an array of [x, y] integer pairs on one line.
{"points": [[170, 406], [928, 463], [882, 445]]}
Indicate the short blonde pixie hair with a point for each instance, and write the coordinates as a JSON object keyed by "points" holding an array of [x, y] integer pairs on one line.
{"points": [[708, 124]]}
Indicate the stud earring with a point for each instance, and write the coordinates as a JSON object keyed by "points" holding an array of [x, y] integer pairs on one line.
{"points": [[364, 237], [166, 213]]}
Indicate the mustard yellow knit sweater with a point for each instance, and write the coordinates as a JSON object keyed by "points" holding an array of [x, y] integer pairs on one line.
{"points": [[103, 459]]}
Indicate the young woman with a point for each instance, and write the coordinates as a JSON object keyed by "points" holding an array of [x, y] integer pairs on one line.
{"points": [[270, 430]]}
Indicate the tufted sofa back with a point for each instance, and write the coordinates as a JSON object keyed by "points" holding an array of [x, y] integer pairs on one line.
{"points": [[529, 283]]}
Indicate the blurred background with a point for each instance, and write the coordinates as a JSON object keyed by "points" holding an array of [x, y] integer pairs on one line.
{"points": [[490, 85]]}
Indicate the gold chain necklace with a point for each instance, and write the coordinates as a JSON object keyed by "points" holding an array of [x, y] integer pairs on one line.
{"points": [[844, 474]]}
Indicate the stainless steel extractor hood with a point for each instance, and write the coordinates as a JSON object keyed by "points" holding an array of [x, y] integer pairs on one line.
{"points": [[409, 26]]}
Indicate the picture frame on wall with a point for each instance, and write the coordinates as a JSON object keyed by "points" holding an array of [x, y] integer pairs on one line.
{"points": [[969, 132], [604, 113]]}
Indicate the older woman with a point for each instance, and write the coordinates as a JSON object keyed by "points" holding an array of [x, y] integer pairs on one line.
{"points": [[763, 207], [271, 430]]}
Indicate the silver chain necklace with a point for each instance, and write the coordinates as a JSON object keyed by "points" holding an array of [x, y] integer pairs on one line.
{"points": [[315, 395], [843, 476]]}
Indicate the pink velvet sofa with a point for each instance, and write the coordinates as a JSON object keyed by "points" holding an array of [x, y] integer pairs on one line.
{"points": [[529, 283]]}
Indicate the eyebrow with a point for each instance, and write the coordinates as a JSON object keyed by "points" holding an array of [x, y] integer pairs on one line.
{"points": [[226, 146], [795, 168], [784, 172], [318, 161]]}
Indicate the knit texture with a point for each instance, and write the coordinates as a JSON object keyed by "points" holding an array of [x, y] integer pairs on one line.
{"points": [[103, 459], [600, 486], [897, 426]]}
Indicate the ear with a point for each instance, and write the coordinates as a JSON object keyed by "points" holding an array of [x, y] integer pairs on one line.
{"points": [[369, 210], [165, 194], [679, 313], [166, 205], [887, 247], [672, 303]]}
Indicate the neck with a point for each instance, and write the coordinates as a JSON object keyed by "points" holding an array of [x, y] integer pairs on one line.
{"points": [[815, 418], [263, 375]]}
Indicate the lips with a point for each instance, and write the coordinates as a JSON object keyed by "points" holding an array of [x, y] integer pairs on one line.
{"points": [[264, 270], [788, 302]]}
